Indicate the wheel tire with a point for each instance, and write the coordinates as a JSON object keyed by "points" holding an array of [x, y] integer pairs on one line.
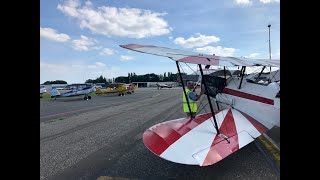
{"points": [[85, 98], [89, 97]]}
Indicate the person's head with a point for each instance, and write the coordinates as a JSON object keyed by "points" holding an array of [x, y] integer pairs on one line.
{"points": [[190, 84]]}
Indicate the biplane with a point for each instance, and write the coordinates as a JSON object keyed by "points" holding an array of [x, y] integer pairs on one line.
{"points": [[248, 105], [73, 90], [120, 88]]}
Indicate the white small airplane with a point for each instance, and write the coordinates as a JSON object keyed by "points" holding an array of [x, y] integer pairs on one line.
{"points": [[42, 90], [248, 106], [73, 90], [160, 86]]}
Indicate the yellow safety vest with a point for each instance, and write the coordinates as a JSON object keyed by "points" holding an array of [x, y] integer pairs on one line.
{"points": [[193, 104]]}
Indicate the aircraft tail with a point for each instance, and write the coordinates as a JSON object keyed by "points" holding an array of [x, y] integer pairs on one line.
{"points": [[54, 92]]}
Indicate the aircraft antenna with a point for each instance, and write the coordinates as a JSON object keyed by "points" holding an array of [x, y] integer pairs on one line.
{"points": [[209, 100]]}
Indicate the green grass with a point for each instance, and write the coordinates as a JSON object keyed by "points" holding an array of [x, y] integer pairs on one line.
{"points": [[271, 149], [45, 97]]}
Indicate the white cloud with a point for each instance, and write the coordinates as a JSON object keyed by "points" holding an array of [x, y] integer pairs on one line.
{"points": [[53, 35], [199, 40], [125, 58], [97, 65], [100, 64], [269, 1], [70, 8], [106, 51], [252, 55], [243, 2], [76, 73], [97, 47], [170, 37], [83, 44], [112, 21], [218, 51]]}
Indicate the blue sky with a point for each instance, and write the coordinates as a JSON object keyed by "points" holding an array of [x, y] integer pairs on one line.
{"points": [[80, 39]]}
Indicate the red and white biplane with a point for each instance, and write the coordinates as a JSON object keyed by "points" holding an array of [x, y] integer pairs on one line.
{"points": [[247, 106]]}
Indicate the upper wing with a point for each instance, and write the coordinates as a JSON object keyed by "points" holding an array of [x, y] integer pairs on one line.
{"points": [[194, 58]]}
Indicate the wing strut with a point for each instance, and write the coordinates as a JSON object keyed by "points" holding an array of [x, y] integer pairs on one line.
{"points": [[260, 73], [206, 88], [243, 69], [184, 91], [225, 75]]}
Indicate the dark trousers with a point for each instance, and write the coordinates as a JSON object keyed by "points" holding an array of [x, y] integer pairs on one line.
{"points": [[193, 114]]}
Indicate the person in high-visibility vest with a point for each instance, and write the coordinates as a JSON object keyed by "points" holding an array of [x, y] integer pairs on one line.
{"points": [[192, 97]]}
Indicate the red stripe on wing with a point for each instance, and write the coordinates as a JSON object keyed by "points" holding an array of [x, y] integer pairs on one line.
{"points": [[260, 127], [248, 96], [159, 137], [220, 148]]}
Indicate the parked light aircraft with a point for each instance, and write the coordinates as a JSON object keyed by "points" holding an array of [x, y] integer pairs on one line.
{"points": [[42, 90], [160, 86], [73, 90], [120, 88], [248, 106]]}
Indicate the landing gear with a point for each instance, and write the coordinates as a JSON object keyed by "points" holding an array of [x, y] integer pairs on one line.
{"points": [[87, 97]]}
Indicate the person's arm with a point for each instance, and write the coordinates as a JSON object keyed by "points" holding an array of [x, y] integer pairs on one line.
{"points": [[194, 96], [201, 93]]}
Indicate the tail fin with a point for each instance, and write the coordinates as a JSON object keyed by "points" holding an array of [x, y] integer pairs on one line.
{"points": [[54, 92]]}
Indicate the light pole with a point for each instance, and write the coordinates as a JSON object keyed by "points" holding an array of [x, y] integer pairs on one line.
{"points": [[269, 43]]}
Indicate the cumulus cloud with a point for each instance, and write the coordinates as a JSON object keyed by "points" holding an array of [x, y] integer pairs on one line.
{"points": [[76, 73], [97, 65], [269, 1], [125, 58], [112, 21], [107, 51], [196, 41], [83, 44], [53, 35], [218, 51], [243, 2]]}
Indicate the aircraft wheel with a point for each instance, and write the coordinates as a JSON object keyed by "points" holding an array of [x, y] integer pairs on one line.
{"points": [[85, 98], [119, 94], [89, 97], [132, 91], [122, 94]]}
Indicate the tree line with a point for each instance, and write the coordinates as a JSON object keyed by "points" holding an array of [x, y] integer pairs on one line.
{"points": [[132, 77], [55, 82]]}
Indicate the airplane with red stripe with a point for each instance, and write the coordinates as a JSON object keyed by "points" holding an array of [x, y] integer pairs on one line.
{"points": [[247, 106]]}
